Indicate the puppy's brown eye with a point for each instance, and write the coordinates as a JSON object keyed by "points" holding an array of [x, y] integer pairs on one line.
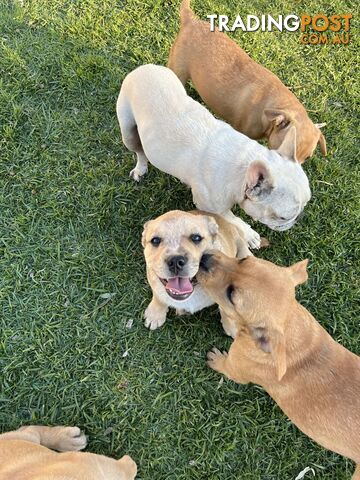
{"points": [[155, 241], [229, 293], [196, 238]]}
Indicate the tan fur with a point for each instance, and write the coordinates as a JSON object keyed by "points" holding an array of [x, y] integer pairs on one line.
{"points": [[25, 455], [281, 347], [247, 95], [175, 228]]}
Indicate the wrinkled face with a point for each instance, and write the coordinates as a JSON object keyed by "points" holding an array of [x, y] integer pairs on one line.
{"points": [[173, 246], [307, 134], [279, 196], [250, 288]]}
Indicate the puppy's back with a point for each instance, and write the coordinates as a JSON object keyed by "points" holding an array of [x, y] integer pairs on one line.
{"points": [[152, 81]]}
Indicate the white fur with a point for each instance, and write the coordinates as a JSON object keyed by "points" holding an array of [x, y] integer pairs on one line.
{"points": [[164, 126]]}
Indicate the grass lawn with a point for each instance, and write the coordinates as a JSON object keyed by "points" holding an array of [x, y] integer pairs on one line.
{"points": [[72, 271]]}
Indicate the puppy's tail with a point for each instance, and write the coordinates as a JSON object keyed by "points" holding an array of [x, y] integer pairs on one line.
{"points": [[186, 14]]}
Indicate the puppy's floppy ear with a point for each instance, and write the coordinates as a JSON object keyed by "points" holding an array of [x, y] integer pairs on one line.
{"points": [[279, 118], [288, 147], [128, 467], [143, 236], [298, 272], [272, 341], [212, 225], [258, 180]]}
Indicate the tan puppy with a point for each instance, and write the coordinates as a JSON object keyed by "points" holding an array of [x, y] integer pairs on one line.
{"points": [[248, 96], [25, 455], [281, 347], [174, 244]]}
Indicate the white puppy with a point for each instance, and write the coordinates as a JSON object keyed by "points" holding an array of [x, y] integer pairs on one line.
{"points": [[164, 126]]}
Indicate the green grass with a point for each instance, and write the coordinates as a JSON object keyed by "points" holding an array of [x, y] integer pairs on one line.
{"points": [[72, 271]]}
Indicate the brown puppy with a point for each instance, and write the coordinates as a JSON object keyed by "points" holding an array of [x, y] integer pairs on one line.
{"points": [[25, 455], [248, 96], [174, 244], [281, 347]]}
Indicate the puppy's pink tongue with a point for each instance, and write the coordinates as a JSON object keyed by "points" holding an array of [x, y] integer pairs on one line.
{"points": [[180, 285]]}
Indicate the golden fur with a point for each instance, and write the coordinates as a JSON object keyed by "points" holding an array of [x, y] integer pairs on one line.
{"points": [[247, 95], [25, 455], [280, 346]]}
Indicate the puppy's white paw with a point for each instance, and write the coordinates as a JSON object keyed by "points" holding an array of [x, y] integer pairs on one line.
{"points": [[154, 319], [70, 439], [253, 238], [135, 175]]}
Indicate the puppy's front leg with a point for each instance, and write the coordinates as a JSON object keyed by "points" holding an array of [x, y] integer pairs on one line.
{"points": [[252, 238], [228, 363], [155, 314]]}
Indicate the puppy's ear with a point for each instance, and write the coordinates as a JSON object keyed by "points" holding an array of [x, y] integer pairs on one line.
{"points": [[279, 118], [288, 147], [298, 272], [128, 466], [212, 226], [143, 236], [258, 180], [272, 342]]}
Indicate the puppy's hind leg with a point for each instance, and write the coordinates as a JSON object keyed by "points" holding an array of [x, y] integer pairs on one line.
{"points": [[131, 138], [63, 439], [141, 166], [29, 434]]}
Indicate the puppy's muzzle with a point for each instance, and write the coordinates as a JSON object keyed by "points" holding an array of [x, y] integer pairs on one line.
{"points": [[288, 225], [176, 264]]}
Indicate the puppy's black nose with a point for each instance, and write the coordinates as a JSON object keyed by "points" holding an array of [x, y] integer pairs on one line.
{"points": [[176, 264], [206, 261]]}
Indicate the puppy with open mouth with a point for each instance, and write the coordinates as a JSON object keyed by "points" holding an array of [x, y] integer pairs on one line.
{"points": [[174, 244]]}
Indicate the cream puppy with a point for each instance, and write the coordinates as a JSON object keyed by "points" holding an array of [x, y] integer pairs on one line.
{"points": [[163, 125], [173, 246], [25, 455]]}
